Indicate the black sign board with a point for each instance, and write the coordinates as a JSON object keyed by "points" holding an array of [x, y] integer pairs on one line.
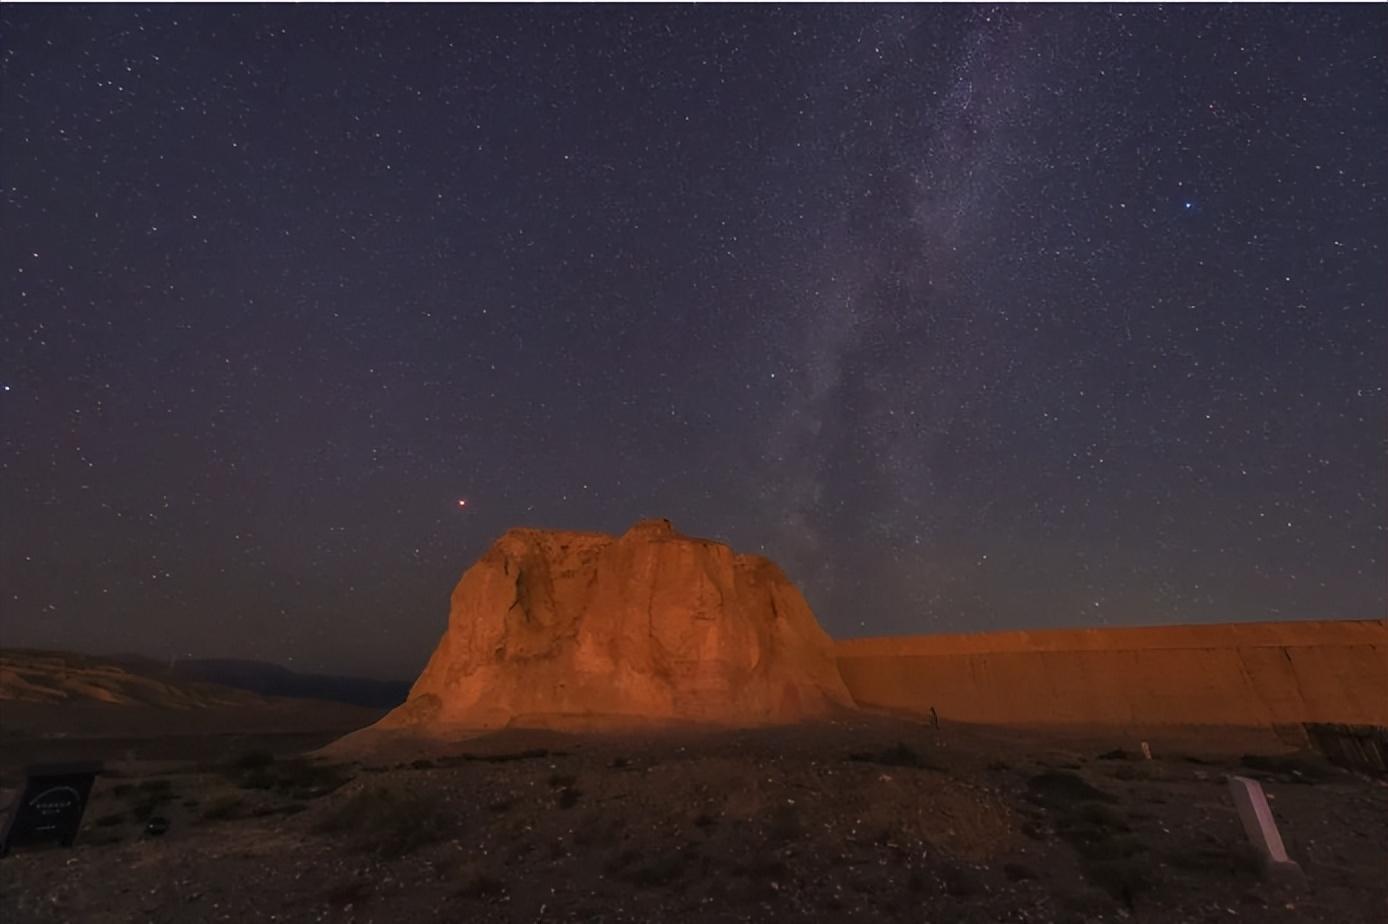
{"points": [[49, 809]]}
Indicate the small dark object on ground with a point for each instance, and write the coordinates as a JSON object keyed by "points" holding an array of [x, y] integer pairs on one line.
{"points": [[568, 797], [156, 826], [1116, 754]]}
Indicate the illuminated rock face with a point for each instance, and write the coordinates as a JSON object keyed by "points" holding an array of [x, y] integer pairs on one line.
{"points": [[567, 629]]}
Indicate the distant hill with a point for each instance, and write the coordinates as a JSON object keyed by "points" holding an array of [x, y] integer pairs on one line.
{"points": [[57, 677], [273, 680]]}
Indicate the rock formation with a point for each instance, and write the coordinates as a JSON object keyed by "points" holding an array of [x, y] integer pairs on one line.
{"points": [[569, 629]]}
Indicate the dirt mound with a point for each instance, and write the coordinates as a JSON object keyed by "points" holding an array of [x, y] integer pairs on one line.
{"points": [[577, 630]]}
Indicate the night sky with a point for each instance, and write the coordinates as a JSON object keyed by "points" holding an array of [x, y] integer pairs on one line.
{"points": [[970, 318]]}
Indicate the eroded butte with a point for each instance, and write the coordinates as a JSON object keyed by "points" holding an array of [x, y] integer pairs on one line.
{"points": [[580, 630]]}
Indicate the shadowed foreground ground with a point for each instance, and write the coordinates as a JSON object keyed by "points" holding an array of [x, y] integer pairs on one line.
{"points": [[875, 819]]}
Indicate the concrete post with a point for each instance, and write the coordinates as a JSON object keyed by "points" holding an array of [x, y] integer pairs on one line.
{"points": [[1260, 826]]}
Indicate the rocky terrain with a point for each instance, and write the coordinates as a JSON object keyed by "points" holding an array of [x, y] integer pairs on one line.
{"points": [[866, 819]]}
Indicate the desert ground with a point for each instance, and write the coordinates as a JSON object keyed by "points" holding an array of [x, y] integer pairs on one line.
{"points": [[869, 818]]}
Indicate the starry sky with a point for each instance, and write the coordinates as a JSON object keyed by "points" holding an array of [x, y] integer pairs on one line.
{"points": [[971, 318]]}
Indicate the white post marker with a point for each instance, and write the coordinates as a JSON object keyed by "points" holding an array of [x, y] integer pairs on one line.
{"points": [[1260, 826]]}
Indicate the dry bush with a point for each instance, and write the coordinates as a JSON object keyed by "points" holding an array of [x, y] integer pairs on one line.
{"points": [[384, 823]]}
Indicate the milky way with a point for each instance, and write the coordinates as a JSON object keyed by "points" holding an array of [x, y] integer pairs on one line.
{"points": [[971, 318]]}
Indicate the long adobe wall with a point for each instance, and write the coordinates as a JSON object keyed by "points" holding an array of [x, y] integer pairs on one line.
{"points": [[1234, 674]]}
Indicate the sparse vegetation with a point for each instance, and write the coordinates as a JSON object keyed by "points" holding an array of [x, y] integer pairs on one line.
{"points": [[899, 755], [388, 824], [529, 754], [297, 777], [1062, 788]]}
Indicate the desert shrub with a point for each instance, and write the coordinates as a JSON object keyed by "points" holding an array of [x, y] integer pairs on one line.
{"points": [[704, 820], [421, 764], [383, 822], [898, 755], [457, 760], [1062, 788], [561, 780], [568, 797], [297, 777], [302, 778]]}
